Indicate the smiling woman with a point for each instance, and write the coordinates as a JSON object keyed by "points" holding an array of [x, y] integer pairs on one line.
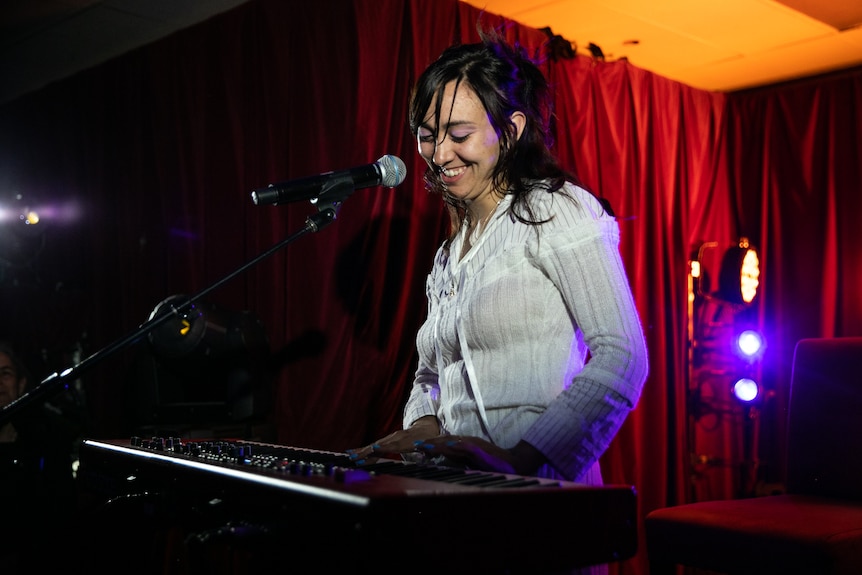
{"points": [[528, 283]]}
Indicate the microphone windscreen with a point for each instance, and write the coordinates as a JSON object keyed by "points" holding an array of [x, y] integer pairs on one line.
{"points": [[393, 171]]}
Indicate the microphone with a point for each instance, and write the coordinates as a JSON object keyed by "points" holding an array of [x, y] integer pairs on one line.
{"points": [[388, 171]]}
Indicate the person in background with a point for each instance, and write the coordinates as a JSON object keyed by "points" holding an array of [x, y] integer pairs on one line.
{"points": [[532, 353], [37, 489], [13, 381]]}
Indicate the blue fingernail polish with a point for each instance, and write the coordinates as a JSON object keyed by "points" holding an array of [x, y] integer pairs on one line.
{"points": [[354, 455], [375, 447], [417, 443], [451, 443], [360, 462]]}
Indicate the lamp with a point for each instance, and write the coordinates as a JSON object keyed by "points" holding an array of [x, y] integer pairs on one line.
{"points": [[199, 329], [746, 389], [739, 277], [203, 366], [725, 392], [750, 344]]}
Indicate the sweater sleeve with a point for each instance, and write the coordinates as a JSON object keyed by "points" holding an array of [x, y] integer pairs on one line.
{"points": [[580, 255]]}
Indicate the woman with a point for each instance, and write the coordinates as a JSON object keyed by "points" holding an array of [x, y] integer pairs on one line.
{"points": [[529, 283]]}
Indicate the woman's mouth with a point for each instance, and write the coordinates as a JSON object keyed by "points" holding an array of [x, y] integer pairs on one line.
{"points": [[451, 175]]}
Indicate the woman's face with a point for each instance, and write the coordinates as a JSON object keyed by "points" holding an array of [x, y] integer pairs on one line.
{"points": [[466, 149]]}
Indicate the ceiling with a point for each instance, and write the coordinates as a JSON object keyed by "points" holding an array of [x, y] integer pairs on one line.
{"points": [[711, 45], [42, 41]]}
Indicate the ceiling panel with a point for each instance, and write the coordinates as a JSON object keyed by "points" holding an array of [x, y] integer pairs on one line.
{"points": [[840, 14]]}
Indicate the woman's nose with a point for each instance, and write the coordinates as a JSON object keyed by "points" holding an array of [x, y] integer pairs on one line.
{"points": [[442, 152]]}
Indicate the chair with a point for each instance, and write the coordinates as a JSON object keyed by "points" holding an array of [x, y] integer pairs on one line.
{"points": [[815, 526]]}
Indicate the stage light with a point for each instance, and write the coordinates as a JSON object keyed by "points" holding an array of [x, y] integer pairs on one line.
{"points": [[739, 277], [750, 344], [204, 365], [30, 217], [746, 389], [183, 334], [16, 209], [33, 212], [10, 209]]}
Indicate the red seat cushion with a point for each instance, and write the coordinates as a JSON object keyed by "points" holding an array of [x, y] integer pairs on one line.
{"points": [[773, 534]]}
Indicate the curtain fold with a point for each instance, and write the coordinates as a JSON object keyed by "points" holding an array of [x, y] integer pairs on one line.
{"points": [[651, 147], [149, 160]]}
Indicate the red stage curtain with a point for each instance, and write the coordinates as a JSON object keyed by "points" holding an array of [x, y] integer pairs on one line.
{"points": [[149, 160]]}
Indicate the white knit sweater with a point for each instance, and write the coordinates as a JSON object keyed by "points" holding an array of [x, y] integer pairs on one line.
{"points": [[502, 352]]}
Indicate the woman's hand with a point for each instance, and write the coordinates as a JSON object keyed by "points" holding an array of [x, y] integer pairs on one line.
{"points": [[466, 451], [476, 453], [398, 442]]}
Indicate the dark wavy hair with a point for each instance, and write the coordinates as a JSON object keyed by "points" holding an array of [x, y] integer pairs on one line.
{"points": [[505, 80]]}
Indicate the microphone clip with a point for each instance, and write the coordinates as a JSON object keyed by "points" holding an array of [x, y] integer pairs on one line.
{"points": [[336, 189], [329, 200]]}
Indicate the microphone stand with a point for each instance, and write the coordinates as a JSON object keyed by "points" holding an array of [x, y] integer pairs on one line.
{"points": [[328, 202]]}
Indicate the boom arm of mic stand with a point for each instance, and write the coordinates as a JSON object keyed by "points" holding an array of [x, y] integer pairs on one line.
{"points": [[326, 214]]}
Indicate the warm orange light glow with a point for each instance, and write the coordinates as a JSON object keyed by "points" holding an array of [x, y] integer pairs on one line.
{"points": [[749, 278], [740, 273]]}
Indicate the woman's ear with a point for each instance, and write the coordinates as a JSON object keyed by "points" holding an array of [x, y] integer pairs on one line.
{"points": [[518, 120]]}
